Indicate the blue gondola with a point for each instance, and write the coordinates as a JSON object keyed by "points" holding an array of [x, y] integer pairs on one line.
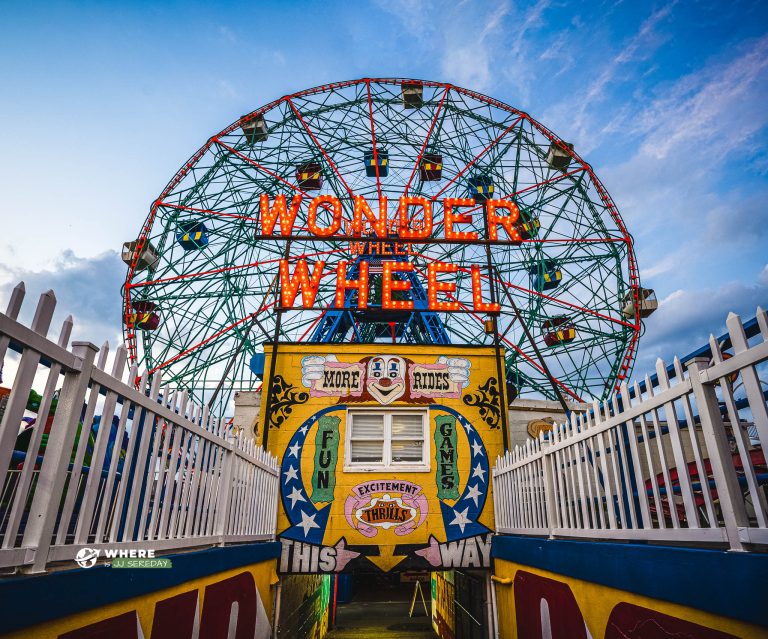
{"points": [[370, 163], [546, 275], [192, 236], [480, 187]]}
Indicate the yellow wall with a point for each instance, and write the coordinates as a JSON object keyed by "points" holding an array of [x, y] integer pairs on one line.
{"points": [[597, 604], [327, 536], [260, 575]]}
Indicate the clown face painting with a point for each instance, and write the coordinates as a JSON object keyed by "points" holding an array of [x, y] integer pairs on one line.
{"points": [[386, 378]]}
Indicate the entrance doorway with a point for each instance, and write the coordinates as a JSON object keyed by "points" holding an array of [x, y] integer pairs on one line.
{"points": [[377, 605], [469, 606], [449, 604]]}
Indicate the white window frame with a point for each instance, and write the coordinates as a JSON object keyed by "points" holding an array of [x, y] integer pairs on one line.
{"points": [[387, 465]]}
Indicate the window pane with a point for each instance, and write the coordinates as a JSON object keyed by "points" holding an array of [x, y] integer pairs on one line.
{"points": [[410, 426], [368, 426], [366, 451], [407, 451]]}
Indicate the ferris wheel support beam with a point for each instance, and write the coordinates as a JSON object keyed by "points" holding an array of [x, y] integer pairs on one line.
{"points": [[536, 350], [231, 362], [519, 351], [500, 369], [373, 139], [273, 362], [426, 140], [549, 297], [259, 166], [226, 269], [477, 157], [320, 148]]}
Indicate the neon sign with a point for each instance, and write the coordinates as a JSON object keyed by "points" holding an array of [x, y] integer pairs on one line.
{"points": [[413, 222], [408, 224]]}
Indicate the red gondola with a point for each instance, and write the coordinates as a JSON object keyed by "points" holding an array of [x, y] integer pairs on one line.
{"points": [[431, 167], [558, 330], [144, 315], [309, 176]]}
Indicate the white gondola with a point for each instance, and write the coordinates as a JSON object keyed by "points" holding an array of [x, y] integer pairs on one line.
{"points": [[413, 95], [648, 303], [148, 258], [255, 130], [558, 158]]}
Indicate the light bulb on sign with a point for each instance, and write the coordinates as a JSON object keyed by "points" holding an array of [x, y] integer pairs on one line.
{"points": [[388, 285], [343, 284], [450, 218], [434, 286], [312, 215], [477, 294]]}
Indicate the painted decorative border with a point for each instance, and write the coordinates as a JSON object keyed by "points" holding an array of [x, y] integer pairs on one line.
{"points": [[685, 576], [29, 601]]}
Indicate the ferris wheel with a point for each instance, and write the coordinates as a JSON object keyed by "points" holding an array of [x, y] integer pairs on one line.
{"points": [[202, 292]]}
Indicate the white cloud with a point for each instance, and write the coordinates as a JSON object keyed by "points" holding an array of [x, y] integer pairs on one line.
{"points": [[716, 109], [416, 17], [467, 66], [87, 289], [227, 34], [226, 88], [674, 193], [467, 41], [664, 265], [585, 116], [686, 318]]}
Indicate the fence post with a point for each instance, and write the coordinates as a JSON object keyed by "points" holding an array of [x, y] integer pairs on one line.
{"points": [[549, 488], [224, 498], [720, 456], [275, 489], [53, 473], [749, 377], [25, 376], [12, 311]]}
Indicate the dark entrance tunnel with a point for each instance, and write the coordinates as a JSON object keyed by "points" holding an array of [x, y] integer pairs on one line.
{"points": [[396, 605]]}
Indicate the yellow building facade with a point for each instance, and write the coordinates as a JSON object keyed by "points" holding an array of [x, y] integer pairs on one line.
{"points": [[385, 455]]}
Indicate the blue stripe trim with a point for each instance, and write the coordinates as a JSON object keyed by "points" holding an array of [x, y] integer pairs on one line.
{"points": [[31, 600], [730, 584]]}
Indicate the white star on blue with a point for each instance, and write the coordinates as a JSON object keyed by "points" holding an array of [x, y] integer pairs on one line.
{"points": [[290, 474], [479, 471]]}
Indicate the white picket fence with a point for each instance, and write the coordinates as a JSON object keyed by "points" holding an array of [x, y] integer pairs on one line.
{"points": [[160, 473], [682, 463]]}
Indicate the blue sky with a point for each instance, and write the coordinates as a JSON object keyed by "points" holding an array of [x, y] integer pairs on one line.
{"points": [[100, 103]]}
